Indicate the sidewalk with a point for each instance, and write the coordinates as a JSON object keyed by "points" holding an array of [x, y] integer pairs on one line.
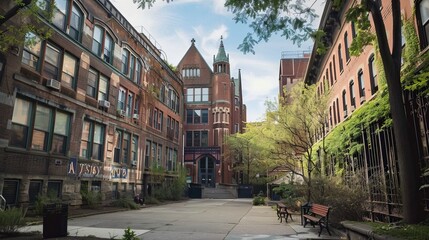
{"points": [[260, 222]]}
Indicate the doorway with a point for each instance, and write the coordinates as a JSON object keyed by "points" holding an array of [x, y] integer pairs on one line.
{"points": [[206, 172]]}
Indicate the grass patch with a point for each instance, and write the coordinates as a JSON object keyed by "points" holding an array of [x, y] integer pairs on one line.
{"points": [[402, 231]]}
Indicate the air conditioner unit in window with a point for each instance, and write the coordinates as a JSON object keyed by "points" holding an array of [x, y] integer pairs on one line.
{"points": [[136, 116], [134, 163], [104, 103], [52, 83], [121, 113]]}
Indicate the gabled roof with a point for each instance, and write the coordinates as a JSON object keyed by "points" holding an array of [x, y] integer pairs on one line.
{"points": [[197, 57]]}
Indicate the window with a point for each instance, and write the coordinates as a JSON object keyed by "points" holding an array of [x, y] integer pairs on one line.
{"points": [[59, 17], [338, 111], [54, 189], [346, 46], [76, 23], [197, 138], [102, 44], [335, 113], [353, 29], [344, 95], [58, 65], [10, 191], [147, 154], [92, 142], [424, 22], [373, 74], [197, 116], [98, 85], [340, 58], [330, 73], [156, 119], [52, 62], [68, 77], [32, 50], [352, 93], [123, 147], [335, 68], [197, 94], [130, 101], [191, 72], [39, 127], [134, 148], [121, 98], [34, 190], [361, 83], [124, 61], [63, 18]]}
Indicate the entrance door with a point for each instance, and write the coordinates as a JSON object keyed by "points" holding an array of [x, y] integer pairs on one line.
{"points": [[206, 172]]}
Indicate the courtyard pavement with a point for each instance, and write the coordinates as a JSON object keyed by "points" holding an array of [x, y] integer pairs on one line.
{"points": [[211, 219]]}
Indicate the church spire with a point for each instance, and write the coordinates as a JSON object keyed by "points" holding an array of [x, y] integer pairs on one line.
{"points": [[221, 54]]}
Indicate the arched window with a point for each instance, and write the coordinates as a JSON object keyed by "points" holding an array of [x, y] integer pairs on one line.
{"points": [[346, 46], [102, 44], [340, 58], [372, 74], [352, 94], [361, 82]]}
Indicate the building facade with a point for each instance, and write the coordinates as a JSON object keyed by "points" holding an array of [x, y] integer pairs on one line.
{"points": [[352, 82], [214, 109], [293, 66], [93, 107]]}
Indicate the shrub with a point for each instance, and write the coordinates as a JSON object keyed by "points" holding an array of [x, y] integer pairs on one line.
{"points": [[91, 199], [291, 195], [126, 202], [259, 200], [346, 203], [129, 234], [42, 200], [11, 219]]}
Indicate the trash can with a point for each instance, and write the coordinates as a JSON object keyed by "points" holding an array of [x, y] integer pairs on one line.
{"points": [[195, 190], [245, 191], [55, 220], [305, 208]]}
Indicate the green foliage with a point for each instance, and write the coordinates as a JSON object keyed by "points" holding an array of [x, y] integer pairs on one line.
{"points": [[28, 20], [11, 220], [268, 17], [168, 188], [347, 202], [292, 195], [259, 200], [92, 199], [143, 4], [414, 81], [129, 234], [42, 200], [126, 202], [402, 231]]}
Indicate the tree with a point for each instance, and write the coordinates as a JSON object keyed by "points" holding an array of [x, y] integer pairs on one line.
{"points": [[293, 125], [248, 151], [147, 3], [269, 17], [27, 11]]}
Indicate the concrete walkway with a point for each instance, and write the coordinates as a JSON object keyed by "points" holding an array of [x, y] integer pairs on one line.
{"points": [[232, 219]]}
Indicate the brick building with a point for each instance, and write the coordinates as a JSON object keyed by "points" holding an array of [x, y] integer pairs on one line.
{"points": [[214, 109], [351, 82], [92, 108], [293, 66]]}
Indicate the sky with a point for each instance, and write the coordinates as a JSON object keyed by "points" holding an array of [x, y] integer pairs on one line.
{"points": [[173, 25]]}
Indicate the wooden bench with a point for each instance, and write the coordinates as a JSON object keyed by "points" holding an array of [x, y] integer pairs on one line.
{"points": [[318, 215], [282, 212]]}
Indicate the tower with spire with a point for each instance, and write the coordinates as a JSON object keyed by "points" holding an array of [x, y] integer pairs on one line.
{"points": [[213, 110]]}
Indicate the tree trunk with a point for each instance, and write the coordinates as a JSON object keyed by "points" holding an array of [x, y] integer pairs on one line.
{"points": [[412, 210]]}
